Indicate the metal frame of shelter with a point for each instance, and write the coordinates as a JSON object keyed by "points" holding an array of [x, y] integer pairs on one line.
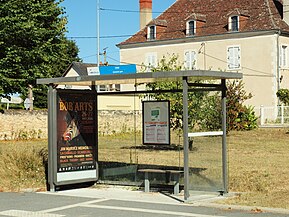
{"points": [[190, 80]]}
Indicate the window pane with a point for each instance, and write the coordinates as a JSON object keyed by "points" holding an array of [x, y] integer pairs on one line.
{"points": [[234, 23], [191, 28], [102, 87], [117, 87], [152, 32]]}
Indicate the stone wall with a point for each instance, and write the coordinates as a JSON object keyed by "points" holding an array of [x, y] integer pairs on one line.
{"points": [[22, 124]]}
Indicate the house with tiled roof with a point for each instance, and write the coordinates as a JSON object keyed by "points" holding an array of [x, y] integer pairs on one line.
{"points": [[250, 37]]}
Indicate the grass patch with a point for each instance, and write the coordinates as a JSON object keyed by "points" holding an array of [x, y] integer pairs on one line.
{"points": [[259, 166], [21, 165], [258, 162]]}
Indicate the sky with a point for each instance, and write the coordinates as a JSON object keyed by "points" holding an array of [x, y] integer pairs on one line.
{"points": [[119, 19]]}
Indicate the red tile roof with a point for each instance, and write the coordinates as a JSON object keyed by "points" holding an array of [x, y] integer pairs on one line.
{"points": [[258, 15]]}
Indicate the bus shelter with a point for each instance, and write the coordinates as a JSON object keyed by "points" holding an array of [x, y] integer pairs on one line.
{"points": [[61, 102]]}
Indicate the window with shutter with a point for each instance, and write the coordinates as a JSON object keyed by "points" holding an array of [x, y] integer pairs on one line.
{"points": [[234, 57], [190, 60], [191, 28], [150, 61], [283, 60], [151, 32]]}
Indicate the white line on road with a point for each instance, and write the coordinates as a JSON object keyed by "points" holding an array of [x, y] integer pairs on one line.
{"points": [[147, 211], [72, 206]]}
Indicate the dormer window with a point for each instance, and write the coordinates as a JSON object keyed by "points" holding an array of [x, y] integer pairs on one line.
{"points": [[191, 28], [234, 23], [151, 32], [194, 24]]}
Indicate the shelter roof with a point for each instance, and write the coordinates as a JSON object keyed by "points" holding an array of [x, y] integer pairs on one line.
{"points": [[140, 78]]}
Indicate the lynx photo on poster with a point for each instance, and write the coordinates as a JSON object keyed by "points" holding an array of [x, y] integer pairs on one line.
{"points": [[156, 122], [76, 130]]}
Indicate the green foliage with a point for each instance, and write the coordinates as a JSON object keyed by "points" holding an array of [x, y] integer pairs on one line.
{"points": [[246, 119], [211, 118], [176, 104], [33, 45], [283, 95], [239, 116], [204, 108]]}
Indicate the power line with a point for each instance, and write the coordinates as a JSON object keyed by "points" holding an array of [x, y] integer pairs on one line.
{"points": [[166, 32], [178, 12], [123, 61], [263, 74], [103, 37], [242, 67]]}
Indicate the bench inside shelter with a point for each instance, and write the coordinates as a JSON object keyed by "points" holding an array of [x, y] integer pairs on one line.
{"points": [[171, 175]]}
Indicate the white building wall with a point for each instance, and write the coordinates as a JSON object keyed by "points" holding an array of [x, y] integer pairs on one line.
{"points": [[258, 62]]}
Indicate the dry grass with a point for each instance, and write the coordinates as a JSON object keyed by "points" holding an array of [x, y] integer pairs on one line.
{"points": [[258, 162], [21, 165], [259, 166]]}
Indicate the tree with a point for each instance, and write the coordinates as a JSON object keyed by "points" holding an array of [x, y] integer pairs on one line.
{"points": [[33, 45], [239, 116], [204, 108], [195, 99]]}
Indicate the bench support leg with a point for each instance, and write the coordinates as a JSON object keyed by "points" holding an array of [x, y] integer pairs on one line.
{"points": [[175, 179], [147, 182]]}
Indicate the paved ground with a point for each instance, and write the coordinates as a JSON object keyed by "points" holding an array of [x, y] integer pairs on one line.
{"points": [[116, 201]]}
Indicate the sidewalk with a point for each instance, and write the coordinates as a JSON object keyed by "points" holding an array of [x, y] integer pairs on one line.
{"points": [[133, 194], [206, 199]]}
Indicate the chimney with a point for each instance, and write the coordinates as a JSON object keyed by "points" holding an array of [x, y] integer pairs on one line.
{"points": [[145, 9]]}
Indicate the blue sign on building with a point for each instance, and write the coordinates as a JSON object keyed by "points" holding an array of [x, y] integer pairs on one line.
{"points": [[119, 69]]}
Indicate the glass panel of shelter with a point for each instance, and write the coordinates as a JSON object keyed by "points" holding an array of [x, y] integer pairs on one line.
{"points": [[122, 154]]}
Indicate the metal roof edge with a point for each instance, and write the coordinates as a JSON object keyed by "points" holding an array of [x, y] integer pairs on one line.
{"points": [[147, 77]]}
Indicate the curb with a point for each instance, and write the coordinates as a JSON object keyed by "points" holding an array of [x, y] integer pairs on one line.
{"points": [[255, 209]]}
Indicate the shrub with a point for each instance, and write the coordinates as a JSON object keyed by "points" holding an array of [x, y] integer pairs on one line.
{"points": [[283, 95], [239, 116], [246, 119]]}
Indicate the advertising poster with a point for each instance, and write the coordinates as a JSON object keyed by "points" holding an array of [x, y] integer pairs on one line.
{"points": [[156, 122], [76, 134]]}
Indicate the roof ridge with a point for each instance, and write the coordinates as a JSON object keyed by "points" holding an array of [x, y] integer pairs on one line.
{"points": [[270, 14]]}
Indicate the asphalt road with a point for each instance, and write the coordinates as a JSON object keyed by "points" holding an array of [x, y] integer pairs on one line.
{"points": [[57, 205]]}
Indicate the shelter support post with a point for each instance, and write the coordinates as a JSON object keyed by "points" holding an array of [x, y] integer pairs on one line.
{"points": [[94, 89], [186, 138], [51, 136], [224, 140]]}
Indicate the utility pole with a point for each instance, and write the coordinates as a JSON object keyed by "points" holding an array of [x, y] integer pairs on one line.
{"points": [[98, 32]]}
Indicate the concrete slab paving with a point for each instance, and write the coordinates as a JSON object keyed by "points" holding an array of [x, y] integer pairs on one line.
{"points": [[134, 194], [121, 193]]}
